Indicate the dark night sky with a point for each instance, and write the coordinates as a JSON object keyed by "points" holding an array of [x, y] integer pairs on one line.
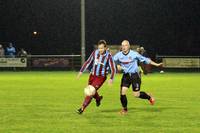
{"points": [[167, 27]]}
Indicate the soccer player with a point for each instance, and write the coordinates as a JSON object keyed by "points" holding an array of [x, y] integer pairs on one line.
{"points": [[127, 60], [100, 60]]}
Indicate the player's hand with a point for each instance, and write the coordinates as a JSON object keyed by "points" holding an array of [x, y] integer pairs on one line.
{"points": [[79, 75], [119, 68], [110, 82]]}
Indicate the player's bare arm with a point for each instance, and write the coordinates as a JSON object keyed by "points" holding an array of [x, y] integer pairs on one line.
{"points": [[79, 75], [155, 64]]}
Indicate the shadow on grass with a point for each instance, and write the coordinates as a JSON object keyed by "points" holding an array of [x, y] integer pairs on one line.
{"points": [[145, 109]]}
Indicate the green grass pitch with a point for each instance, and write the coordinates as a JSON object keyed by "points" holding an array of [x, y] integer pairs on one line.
{"points": [[45, 102]]}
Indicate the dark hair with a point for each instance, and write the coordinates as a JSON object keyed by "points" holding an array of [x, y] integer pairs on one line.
{"points": [[102, 42]]}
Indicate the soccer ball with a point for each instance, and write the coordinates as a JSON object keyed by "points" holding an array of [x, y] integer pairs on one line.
{"points": [[161, 71], [89, 91]]}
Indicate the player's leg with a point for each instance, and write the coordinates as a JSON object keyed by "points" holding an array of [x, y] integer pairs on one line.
{"points": [[89, 93], [98, 82], [88, 97], [123, 99], [96, 96], [125, 84], [98, 99], [141, 94], [136, 84], [144, 95]]}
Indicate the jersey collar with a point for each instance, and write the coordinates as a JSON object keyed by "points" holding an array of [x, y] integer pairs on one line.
{"points": [[126, 53]]}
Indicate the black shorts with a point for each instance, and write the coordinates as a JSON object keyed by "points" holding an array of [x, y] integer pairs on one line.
{"points": [[133, 79]]}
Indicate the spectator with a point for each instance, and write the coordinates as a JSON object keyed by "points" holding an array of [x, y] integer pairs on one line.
{"points": [[138, 50], [10, 50], [22, 53], [2, 52], [143, 52], [143, 68]]}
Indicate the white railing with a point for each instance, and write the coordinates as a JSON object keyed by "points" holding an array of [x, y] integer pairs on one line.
{"points": [[179, 61]]}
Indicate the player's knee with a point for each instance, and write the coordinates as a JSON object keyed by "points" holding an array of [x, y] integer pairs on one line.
{"points": [[136, 94], [89, 90], [123, 91]]}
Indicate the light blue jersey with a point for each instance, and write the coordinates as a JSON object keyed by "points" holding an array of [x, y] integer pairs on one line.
{"points": [[129, 62]]}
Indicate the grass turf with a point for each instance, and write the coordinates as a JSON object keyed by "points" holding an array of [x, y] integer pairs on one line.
{"points": [[45, 102]]}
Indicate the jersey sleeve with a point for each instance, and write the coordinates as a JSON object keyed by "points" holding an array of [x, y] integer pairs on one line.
{"points": [[143, 59], [112, 67], [116, 57], [88, 62]]}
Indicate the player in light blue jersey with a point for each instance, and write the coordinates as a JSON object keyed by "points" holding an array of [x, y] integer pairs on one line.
{"points": [[127, 61]]}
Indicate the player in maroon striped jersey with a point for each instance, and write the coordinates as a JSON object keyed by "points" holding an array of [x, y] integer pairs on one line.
{"points": [[100, 60]]}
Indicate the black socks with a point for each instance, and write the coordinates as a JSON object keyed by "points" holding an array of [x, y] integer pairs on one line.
{"points": [[124, 101], [144, 95]]}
